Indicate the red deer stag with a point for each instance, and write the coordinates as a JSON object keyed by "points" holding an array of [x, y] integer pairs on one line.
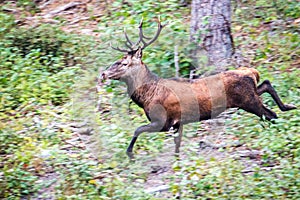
{"points": [[171, 103]]}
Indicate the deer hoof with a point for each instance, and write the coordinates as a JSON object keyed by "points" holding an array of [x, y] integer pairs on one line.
{"points": [[130, 155], [288, 107]]}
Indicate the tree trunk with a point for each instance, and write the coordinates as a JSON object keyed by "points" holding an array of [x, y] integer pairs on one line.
{"points": [[213, 47], [211, 32]]}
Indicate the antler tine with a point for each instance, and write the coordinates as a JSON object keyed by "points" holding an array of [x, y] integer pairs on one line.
{"points": [[117, 48], [159, 28], [128, 43], [131, 49], [141, 39], [141, 30], [140, 35]]}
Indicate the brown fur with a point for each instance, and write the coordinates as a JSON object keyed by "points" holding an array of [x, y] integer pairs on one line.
{"points": [[188, 101], [173, 102]]}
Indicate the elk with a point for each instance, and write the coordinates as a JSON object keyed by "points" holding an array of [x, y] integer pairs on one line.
{"points": [[171, 103]]}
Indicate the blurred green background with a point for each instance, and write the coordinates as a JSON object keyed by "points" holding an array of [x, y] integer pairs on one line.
{"points": [[62, 138]]}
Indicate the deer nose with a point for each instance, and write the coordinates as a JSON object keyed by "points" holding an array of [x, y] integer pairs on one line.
{"points": [[103, 76]]}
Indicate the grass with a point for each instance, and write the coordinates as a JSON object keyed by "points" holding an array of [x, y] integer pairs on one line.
{"points": [[49, 127]]}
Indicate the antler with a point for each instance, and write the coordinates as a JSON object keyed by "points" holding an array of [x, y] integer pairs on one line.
{"points": [[117, 48], [142, 36], [132, 46]]}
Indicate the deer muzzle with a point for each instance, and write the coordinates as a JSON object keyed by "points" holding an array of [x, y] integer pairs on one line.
{"points": [[103, 76]]}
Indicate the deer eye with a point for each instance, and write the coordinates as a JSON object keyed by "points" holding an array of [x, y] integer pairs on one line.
{"points": [[124, 63]]}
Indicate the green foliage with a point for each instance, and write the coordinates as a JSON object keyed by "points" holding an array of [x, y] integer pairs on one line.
{"points": [[49, 40], [17, 183], [18, 176], [290, 9], [25, 5], [268, 10], [226, 180], [23, 139], [9, 141], [34, 68], [6, 23], [39, 69]]}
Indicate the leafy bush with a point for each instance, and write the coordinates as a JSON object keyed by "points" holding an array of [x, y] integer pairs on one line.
{"points": [[289, 9], [9, 141], [16, 182], [35, 68], [6, 23], [39, 67], [28, 5], [16, 179], [51, 42]]}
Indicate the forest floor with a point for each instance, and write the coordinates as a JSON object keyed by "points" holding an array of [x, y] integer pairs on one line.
{"points": [[82, 17], [74, 17]]}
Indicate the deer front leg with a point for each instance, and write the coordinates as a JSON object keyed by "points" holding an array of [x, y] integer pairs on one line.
{"points": [[152, 127], [177, 139], [267, 87]]}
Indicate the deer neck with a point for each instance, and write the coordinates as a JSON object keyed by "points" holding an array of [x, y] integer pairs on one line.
{"points": [[140, 79]]}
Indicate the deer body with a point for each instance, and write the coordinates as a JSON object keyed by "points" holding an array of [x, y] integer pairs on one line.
{"points": [[171, 103]]}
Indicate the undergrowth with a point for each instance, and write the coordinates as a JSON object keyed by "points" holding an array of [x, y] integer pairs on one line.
{"points": [[47, 80]]}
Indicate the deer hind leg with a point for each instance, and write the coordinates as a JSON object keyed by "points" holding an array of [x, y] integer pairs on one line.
{"points": [[255, 106], [267, 87], [268, 113]]}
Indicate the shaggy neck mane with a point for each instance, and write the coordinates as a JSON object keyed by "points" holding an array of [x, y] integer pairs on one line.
{"points": [[142, 83]]}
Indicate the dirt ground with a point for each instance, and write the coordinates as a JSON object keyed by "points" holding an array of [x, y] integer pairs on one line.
{"points": [[82, 17]]}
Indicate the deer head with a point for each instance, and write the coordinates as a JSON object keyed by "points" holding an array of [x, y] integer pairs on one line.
{"points": [[125, 67], [131, 64]]}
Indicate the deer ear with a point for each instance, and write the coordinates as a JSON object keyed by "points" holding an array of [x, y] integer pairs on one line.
{"points": [[139, 53]]}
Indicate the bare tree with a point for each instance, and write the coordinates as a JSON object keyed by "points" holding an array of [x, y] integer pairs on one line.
{"points": [[211, 32]]}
